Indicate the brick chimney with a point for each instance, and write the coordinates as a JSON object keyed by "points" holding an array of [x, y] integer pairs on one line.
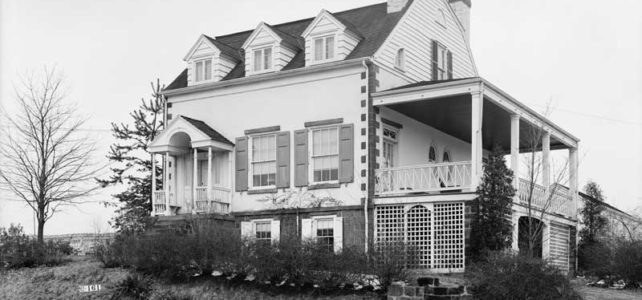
{"points": [[396, 5], [462, 10]]}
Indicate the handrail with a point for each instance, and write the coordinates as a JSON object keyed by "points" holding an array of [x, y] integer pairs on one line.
{"points": [[423, 178], [556, 200]]}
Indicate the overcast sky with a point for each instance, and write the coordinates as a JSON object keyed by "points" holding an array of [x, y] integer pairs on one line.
{"points": [[585, 57]]}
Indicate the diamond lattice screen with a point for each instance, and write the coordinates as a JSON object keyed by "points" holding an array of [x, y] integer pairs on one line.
{"points": [[449, 236]]}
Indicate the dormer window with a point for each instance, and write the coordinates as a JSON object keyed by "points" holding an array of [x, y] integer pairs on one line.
{"points": [[203, 70], [263, 59], [324, 48]]}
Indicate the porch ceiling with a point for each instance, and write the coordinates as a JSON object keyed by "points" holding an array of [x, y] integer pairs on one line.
{"points": [[452, 115]]}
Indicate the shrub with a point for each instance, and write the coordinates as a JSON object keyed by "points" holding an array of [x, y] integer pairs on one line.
{"points": [[390, 261], [596, 258], [627, 261], [17, 250], [134, 286], [511, 276]]}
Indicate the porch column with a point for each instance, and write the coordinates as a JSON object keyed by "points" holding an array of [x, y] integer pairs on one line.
{"points": [[476, 139], [166, 184], [546, 160], [153, 184], [572, 175], [209, 177], [194, 180], [514, 149]]}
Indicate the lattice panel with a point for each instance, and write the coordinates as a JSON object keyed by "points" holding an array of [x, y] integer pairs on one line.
{"points": [[418, 236], [390, 223], [559, 246], [449, 236]]}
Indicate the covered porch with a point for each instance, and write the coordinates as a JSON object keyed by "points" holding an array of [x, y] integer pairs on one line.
{"points": [[434, 136], [197, 169]]}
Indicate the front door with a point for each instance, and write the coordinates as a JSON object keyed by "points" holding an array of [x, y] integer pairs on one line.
{"points": [[171, 178]]}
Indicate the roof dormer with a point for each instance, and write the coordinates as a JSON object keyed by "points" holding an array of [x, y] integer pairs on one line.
{"points": [[328, 38], [209, 60], [267, 50]]}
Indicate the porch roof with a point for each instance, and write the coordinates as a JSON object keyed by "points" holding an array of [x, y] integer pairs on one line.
{"points": [[209, 131], [184, 132], [446, 106]]}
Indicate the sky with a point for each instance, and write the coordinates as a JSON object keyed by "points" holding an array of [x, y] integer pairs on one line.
{"points": [[582, 57]]}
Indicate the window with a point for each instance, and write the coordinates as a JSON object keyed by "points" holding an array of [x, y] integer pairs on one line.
{"points": [[389, 147], [263, 59], [442, 62], [400, 60], [325, 233], [324, 48], [432, 155], [203, 70], [325, 154], [446, 157], [263, 160], [263, 232]]}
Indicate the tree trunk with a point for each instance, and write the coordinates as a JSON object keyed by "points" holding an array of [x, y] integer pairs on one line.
{"points": [[41, 228]]}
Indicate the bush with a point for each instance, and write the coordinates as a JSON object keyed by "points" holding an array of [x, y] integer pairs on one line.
{"points": [[133, 287], [390, 261], [511, 276], [17, 250], [627, 261], [595, 258]]}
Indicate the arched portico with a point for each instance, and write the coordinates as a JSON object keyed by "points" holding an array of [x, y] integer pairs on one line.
{"points": [[197, 172]]}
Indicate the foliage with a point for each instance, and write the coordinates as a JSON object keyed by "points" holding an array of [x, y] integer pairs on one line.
{"points": [[492, 228], [503, 275], [135, 286], [627, 261], [47, 162], [134, 164], [17, 250], [592, 250], [389, 261]]}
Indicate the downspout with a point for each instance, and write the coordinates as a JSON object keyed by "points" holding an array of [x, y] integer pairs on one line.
{"points": [[365, 203]]}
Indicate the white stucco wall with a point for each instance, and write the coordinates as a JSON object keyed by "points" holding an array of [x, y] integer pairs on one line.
{"points": [[289, 103]]}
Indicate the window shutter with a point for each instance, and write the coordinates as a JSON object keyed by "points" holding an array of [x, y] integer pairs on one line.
{"points": [[283, 159], [450, 65], [246, 230], [241, 164], [301, 157], [346, 153], [275, 230], [338, 234], [306, 229], [435, 59]]}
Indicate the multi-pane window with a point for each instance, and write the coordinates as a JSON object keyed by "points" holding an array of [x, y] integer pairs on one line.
{"points": [[264, 160], [263, 59], [325, 154], [389, 147], [442, 62], [324, 48], [325, 233], [263, 231], [203, 70]]}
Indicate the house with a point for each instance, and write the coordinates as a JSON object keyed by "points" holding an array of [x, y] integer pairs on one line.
{"points": [[355, 127], [620, 225]]}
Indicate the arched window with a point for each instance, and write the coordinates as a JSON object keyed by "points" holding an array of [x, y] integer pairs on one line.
{"points": [[446, 157], [441, 17], [432, 154], [400, 60]]}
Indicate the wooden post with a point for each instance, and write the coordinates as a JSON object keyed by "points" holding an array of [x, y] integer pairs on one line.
{"points": [[514, 149], [546, 161], [166, 184], [572, 176], [477, 100], [209, 178], [153, 184], [194, 180]]}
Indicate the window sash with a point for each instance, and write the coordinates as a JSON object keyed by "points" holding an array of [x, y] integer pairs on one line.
{"points": [[263, 59], [199, 71], [263, 158], [442, 63], [325, 154], [324, 48], [208, 69], [325, 233]]}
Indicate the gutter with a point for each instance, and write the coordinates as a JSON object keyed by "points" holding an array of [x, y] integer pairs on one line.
{"points": [[264, 77]]}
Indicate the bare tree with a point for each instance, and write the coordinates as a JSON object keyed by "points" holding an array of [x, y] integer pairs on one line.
{"points": [[540, 200], [46, 162]]}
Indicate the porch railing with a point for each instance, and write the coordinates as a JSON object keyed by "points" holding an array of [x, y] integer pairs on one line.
{"points": [[160, 203], [219, 201], [558, 200], [423, 178]]}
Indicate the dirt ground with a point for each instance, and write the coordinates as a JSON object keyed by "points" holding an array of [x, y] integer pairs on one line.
{"points": [[596, 293]]}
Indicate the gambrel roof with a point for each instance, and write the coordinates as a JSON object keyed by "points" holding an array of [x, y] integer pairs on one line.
{"points": [[372, 23]]}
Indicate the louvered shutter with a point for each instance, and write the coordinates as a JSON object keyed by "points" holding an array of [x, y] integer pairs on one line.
{"points": [[301, 157], [247, 230], [283, 159], [241, 164], [275, 230], [338, 234], [346, 153], [435, 59], [306, 229], [450, 65]]}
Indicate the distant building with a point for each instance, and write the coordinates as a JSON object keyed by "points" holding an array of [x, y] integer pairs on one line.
{"points": [[82, 243], [620, 225]]}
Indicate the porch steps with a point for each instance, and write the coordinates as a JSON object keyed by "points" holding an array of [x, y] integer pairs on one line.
{"points": [[434, 287]]}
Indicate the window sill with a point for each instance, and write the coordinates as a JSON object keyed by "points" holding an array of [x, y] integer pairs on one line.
{"points": [[270, 190], [329, 185]]}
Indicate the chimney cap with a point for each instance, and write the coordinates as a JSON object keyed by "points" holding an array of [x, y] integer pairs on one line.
{"points": [[467, 2]]}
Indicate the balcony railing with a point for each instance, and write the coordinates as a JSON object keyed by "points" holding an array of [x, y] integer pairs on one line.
{"points": [[160, 203], [558, 200], [219, 201], [423, 178]]}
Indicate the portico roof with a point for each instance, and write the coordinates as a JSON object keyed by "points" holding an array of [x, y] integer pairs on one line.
{"points": [[446, 106], [184, 132]]}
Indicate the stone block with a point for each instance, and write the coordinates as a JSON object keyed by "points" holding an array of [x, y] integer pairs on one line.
{"points": [[395, 289], [440, 290], [409, 290], [420, 291], [423, 281]]}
